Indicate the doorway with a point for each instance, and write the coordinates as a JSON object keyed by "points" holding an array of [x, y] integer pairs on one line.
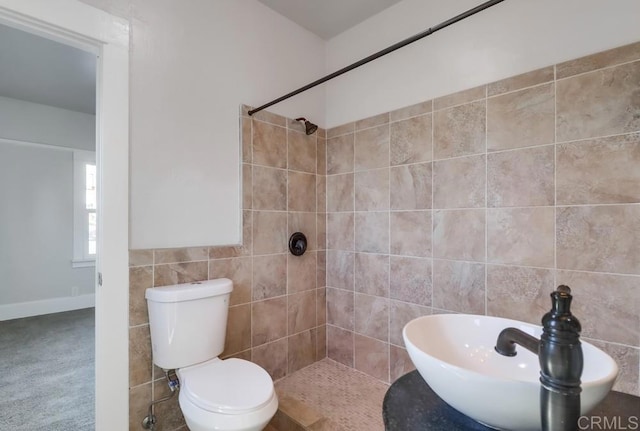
{"points": [[92, 30]]}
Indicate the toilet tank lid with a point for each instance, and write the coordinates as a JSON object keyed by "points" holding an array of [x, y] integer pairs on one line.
{"points": [[189, 291]]}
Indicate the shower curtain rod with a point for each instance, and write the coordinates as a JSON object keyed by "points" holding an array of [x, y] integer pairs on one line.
{"points": [[379, 54]]}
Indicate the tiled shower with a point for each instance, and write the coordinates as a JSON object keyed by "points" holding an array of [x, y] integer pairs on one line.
{"points": [[477, 202]]}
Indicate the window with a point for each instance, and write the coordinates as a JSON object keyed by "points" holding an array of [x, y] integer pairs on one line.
{"points": [[85, 202]]}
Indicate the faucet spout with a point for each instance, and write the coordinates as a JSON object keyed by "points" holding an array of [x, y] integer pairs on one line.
{"points": [[509, 337]]}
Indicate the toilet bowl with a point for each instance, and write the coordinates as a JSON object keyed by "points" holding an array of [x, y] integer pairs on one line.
{"points": [[230, 395]]}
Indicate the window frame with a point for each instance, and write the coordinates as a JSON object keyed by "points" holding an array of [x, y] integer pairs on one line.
{"points": [[81, 256]]}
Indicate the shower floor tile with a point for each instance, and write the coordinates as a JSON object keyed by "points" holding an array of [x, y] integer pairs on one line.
{"points": [[328, 396]]}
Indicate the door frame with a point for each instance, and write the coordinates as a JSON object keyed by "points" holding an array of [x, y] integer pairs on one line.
{"points": [[90, 29]]}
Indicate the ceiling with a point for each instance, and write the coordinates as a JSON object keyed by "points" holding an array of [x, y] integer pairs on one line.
{"points": [[328, 18], [40, 70]]}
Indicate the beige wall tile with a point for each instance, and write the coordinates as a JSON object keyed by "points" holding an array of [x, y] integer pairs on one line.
{"points": [[269, 145], [521, 119], [321, 342], [411, 187], [238, 270], [321, 157], [372, 148], [601, 171], [459, 131], [340, 266], [521, 236], [340, 345], [302, 152], [372, 274], [175, 255], [607, 305], [410, 233], [376, 120], [410, 280], [269, 232], [464, 96], [301, 350], [372, 357], [519, 293], [301, 272], [245, 138], [341, 130], [304, 222], [460, 182], [372, 190], [399, 363], [340, 231], [321, 193], [272, 357], [340, 154], [140, 257], [459, 286], [268, 320], [528, 79], [247, 186], [411, 140], [340, 308], [340, 191], [139, 355], [140, 279], [269, 189], [321, 265], [139, 400], [372, 316], [238, 337], [521, 177], [179, 273], [372, 232], [459, 234], [600, 238], [321, 226], [302, 192], [168, 412], [599, 103], [301, 311], [321, 306], [599, 60], [628, 360], [401, 313], [269, 276], [411, 111], [270, 117]]}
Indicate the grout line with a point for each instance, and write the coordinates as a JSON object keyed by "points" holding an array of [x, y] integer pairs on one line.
{"points": [[555, 177], [528, 87], [594, 70], [486, 200], [433, 145]]}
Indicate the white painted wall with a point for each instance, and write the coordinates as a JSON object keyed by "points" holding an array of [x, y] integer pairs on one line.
{"points": [[510, 38], [36, 216], [192, 65], [32, 122], [36, 229]]}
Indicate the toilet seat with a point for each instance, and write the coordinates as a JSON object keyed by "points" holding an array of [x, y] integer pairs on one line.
{"points": [[232, 386]]}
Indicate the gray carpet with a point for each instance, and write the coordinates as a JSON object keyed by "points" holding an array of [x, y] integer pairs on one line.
{"points": [[47, 372]]}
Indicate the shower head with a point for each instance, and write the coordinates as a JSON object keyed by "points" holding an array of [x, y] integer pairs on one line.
{"points": [[309, 127]]}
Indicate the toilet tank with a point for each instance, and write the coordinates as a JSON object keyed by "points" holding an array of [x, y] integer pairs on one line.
{"points": [[188, 322]]}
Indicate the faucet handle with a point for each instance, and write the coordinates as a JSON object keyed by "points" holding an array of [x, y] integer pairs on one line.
{"points": [[560, 317]]}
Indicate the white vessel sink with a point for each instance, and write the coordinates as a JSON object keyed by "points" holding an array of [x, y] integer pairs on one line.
{"points": [[454, 354]]}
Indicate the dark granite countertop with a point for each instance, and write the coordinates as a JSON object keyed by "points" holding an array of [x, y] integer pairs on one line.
{"points": [[411, 405]]}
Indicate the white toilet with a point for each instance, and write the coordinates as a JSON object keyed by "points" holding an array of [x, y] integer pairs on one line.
{"points": [[188, 325]]}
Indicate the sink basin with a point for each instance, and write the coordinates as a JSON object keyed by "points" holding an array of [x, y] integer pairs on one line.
{"points": [[454, 354]]}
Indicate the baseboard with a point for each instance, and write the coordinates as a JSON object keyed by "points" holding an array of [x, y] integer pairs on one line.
{"points": [[46, 306]]}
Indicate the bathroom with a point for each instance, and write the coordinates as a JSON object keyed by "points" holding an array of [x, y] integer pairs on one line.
{"points": [[504, 227]]}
